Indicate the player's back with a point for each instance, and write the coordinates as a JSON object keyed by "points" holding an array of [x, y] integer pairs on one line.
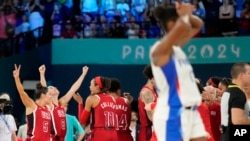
{"points": [[123, 119], [178, 97], [175, 81], [59, 123], [103, 124], [39, 124]]}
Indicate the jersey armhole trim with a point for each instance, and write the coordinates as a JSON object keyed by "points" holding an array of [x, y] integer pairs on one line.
{"points": [[98, 97]]}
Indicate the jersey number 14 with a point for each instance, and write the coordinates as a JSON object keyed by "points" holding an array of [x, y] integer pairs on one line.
{"points": [[113, 120]]}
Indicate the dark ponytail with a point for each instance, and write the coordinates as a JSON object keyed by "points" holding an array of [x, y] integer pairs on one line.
{"points": [[40, 89]]}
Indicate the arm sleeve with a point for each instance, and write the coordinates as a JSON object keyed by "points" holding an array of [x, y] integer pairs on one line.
{"points": [[80, 110], [84, 116]]}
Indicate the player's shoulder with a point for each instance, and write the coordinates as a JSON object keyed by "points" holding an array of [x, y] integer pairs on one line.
{"points": [[122, 100], [10, 117], [92, 98], [234, 90], [154, 46], [145, 90]]}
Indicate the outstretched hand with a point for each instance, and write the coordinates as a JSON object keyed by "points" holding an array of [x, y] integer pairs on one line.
{"points": [[42, 69], [77, 97], [16, 71]]}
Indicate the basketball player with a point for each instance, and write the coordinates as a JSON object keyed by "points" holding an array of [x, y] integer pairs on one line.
{"points": [[101, 106], [57, 109], [147, 95], [176, 117], [123, 111], [37, 114]]}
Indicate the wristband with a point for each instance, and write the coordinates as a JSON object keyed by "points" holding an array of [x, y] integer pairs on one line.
{"points": [[185, 19], [80, 110]]}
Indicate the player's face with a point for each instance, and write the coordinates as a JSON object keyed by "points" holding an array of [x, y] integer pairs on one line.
{"points": [[53, 91], [94, 89], [48, 97], [221, 89]]}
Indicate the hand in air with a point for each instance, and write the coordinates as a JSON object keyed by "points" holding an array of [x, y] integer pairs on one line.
{"points": [[184, 8], [16, 72], [77, 97], [85, 70], [42, 69]]}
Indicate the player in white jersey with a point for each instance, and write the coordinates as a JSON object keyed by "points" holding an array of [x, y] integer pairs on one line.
{"points": [[176, 117]]}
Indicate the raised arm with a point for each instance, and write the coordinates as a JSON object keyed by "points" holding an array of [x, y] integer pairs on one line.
{"points": [[27, 101], [66, 98], [196, 25], [42, 70]]}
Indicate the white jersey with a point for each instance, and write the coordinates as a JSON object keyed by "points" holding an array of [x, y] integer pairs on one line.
{"points": [[178, 97], [175, 81]]}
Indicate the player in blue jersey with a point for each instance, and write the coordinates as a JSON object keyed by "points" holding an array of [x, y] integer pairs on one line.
{"points": [[176, 117]]}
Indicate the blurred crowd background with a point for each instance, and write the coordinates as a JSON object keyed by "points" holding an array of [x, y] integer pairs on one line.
{"points": [[26, 24]]}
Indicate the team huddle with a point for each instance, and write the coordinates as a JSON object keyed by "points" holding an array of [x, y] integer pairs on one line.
{"points": [[167, 103]]}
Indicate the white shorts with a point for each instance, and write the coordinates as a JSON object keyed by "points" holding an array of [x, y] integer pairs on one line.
{"points": [[178, 124]]}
